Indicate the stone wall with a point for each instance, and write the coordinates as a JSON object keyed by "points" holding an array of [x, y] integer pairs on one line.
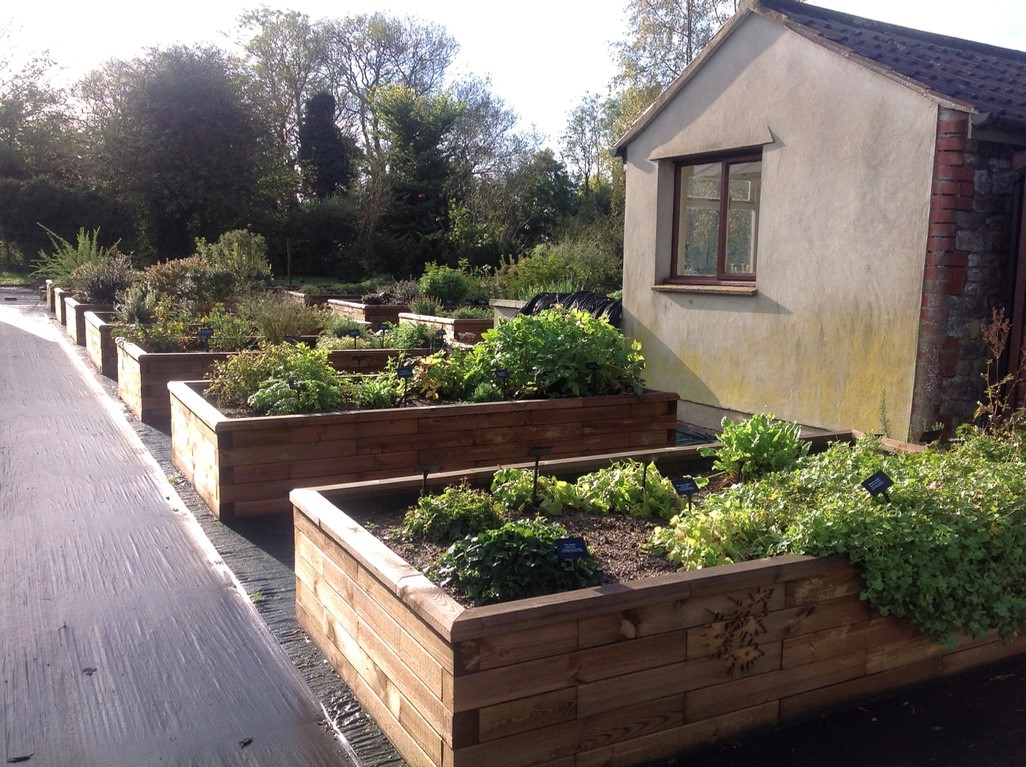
{"points": [[964, 276]]}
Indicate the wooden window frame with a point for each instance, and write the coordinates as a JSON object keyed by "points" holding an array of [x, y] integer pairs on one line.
{"points": [[722, 277]]}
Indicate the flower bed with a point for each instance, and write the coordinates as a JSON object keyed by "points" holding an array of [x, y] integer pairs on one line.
{"points": [[100, 343], [143, 376], [247, 466], [467, 331], [618, 674]]}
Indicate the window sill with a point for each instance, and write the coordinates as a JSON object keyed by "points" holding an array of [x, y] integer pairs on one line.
{"points": [[722, 289]]}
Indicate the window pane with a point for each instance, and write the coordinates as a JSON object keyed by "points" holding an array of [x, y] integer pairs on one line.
{"points": [[742, 217], [701, 233], [703, 181]]}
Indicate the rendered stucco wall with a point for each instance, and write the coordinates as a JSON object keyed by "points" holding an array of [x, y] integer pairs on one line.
{"points": [[847, 158]]}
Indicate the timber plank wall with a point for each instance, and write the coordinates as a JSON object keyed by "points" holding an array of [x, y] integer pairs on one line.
{"points": [[617, 675], [247, 466], [100, 345], [143, 376]]}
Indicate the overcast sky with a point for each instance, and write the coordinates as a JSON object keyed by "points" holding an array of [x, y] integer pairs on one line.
{"points": [[542, 56]]}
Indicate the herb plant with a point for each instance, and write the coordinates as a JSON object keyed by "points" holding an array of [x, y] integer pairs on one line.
{"points": [[278, 380], [457, 511], [514, 561], [757, 445]]}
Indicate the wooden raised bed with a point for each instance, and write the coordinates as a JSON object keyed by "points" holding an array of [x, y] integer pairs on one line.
{"points": [[316, 299], [74, 320], [143, 376], [100, 345], [373, 314], [60, 295], [50, 296], [467, 331], [247, 466], [614, 675]]}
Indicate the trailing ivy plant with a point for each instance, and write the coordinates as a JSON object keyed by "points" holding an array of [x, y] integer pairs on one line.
{"points": [[514, 561], [947, 552]]}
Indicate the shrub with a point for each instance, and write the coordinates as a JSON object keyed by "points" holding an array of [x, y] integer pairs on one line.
{"points": [[276, 318], [193, 285], [427, 306], [514, 561], [100, 282], [230, 332], [457, 511], [238, 252], [445, 284], [67, 256], [580, 263], [371, 392], [757, 445]]}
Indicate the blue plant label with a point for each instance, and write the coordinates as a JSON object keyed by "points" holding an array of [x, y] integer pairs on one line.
{"points": [[291, 340], [502, 374], [571, 548], [354, 333], [404, 372], [204, 334], [878, 483], [685, 486]]}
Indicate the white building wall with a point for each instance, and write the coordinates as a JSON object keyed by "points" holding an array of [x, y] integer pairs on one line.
{"points": [[847, 161]]}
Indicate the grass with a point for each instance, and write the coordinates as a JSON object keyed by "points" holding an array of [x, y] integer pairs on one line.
{"points": [[9, 277]]}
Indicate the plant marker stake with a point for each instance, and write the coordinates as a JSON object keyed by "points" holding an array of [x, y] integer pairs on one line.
{"points": [[405, 374], [425, 470], [878, 485], [593, 367], [536, 453], [354, 334], [686, 486], [502, 374]]}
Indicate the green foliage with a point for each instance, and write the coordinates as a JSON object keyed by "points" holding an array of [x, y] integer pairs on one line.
{"points": [[471, 313], [457, 511], [947, 552], [278, 380], [549, 354], [583, 262], [231, 333], [371, 392], [193, 285], [757, 445], [66, 257], [240, 252], [447, 285], [624, 487], [101, 281], [276, 317], [514, 561], [429, 307], [167, 330]]}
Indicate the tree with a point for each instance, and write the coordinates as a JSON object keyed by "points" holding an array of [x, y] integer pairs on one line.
{"points": [[585, 140], [179, 140], [417, 131], [540, 197], [664, 36], [326, 156], [287, 58]]}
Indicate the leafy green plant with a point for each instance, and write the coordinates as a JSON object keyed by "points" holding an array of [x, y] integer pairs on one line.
{"points": [[757, 445], [946, 552], [167, 329], [514, 561], [371, 392], [628, 487], [230, 332], [278, 380], [515, 490], [555, 354], [471, 313], [457, 511], [430, 307]]}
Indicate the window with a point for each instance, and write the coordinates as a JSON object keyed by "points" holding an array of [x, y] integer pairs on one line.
{"points": [[715, 233]]}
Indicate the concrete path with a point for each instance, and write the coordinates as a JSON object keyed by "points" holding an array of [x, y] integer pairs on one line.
{"points": [[125, 640]]}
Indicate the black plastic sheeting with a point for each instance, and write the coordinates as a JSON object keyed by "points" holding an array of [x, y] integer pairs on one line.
{"points": [[585, 300]]}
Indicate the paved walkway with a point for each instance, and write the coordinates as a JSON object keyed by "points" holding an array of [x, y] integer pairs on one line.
{"points": [[125, 640]]}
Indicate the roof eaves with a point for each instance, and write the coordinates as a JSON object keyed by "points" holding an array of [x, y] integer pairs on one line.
{"points": [[845, 52], [664, 98]]}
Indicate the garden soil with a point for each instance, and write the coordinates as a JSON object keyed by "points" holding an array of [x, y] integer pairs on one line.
{"points": [[977, 719]]}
